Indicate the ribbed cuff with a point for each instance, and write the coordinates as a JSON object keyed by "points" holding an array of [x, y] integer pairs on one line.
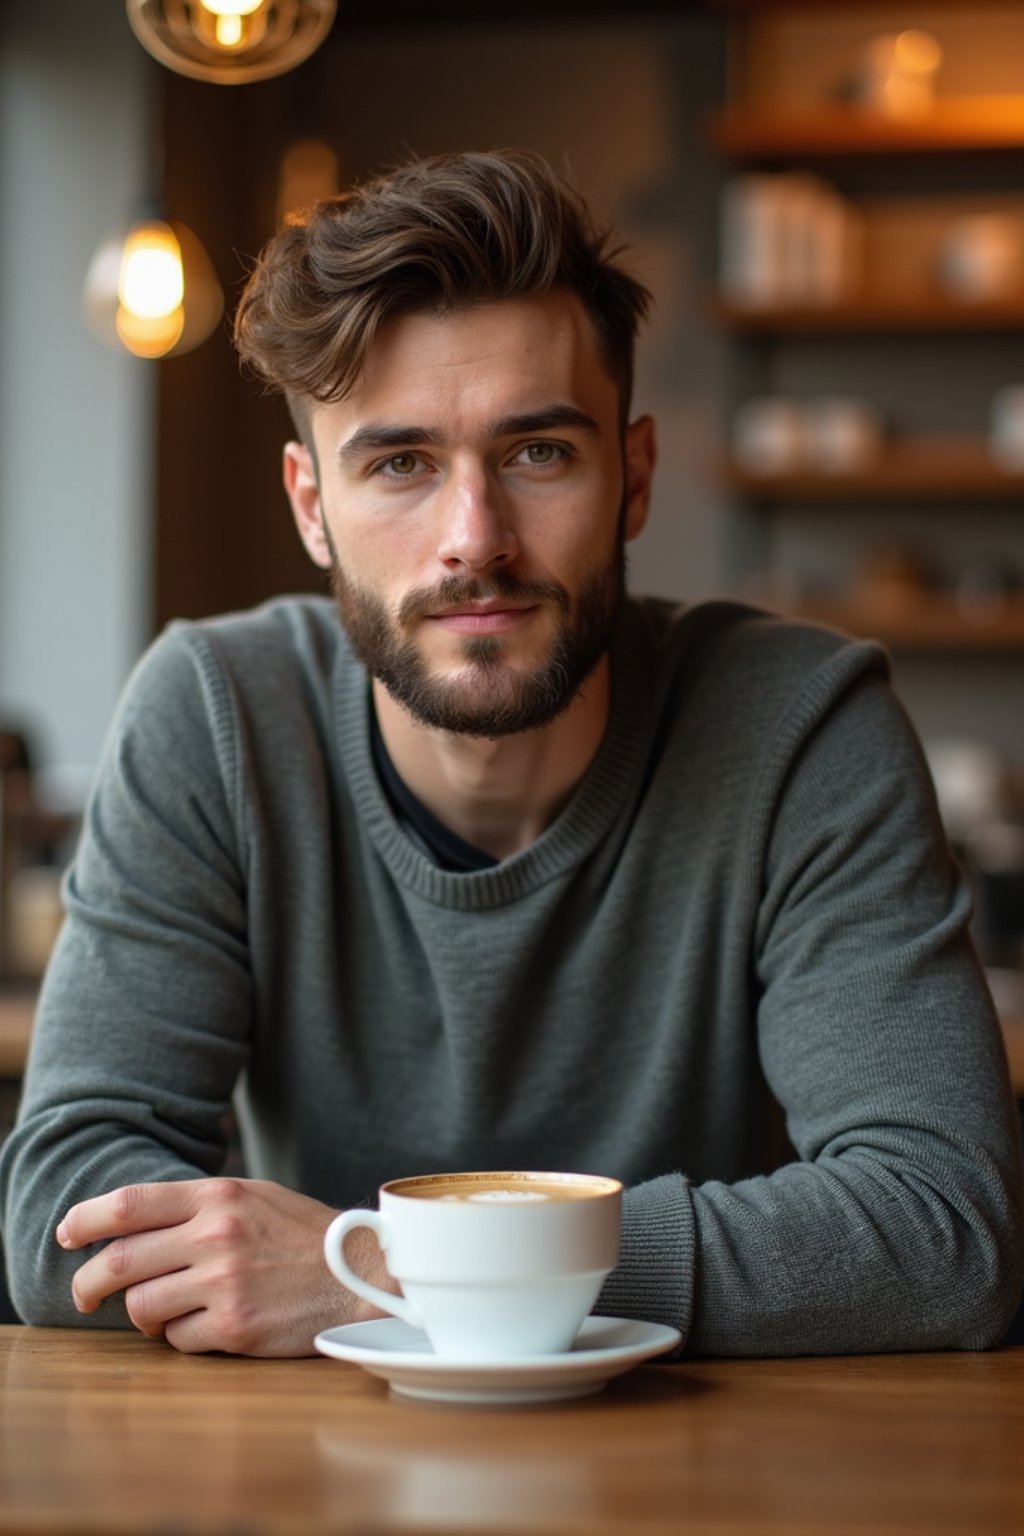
{"points": [[654, 1278]]}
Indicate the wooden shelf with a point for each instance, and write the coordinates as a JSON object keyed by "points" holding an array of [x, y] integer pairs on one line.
{"points": [[875, 312], [956, 124], [922, 622], [922, 470]]}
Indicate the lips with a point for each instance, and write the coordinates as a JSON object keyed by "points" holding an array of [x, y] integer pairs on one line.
{"points": [[483, 618], [472, 610], [457, 598]]}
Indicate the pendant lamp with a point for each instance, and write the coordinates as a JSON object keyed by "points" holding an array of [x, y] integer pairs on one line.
{"points": [[151, 288], [231, 42]]}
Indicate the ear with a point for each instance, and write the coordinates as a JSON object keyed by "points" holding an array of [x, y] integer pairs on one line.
{"points": [[304, 494], [641, 457]]}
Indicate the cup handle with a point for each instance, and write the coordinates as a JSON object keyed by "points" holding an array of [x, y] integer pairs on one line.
{"points": [[334, 1242]]}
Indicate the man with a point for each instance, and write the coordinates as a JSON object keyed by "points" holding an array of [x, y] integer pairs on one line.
{"points": [[503, 870]]}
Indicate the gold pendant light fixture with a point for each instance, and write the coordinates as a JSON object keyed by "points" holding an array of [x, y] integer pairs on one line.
{"points": [[231, 42], [151, 288]]}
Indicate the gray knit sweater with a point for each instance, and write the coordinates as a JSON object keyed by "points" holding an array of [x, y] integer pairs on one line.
{"points": [[746, 904]]}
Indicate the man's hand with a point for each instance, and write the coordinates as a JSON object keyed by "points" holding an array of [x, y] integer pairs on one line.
{"points": [[230, 1264]]}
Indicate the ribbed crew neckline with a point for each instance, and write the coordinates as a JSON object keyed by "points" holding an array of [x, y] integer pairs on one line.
{"points": [[575, 831]]}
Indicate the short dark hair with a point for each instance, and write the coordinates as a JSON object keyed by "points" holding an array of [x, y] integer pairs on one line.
{"points": [[435, 235]]}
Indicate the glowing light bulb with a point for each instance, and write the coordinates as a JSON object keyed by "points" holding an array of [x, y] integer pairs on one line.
{"points": [[152, 290], [228, 31], [230, 19], [149, 336], [152, 281], [229, 22], [231, 7]]}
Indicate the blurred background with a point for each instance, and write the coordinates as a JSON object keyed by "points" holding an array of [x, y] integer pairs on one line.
{"points": [[827, 202]]}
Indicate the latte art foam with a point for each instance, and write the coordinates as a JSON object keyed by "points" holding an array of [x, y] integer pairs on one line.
{"points": [[510, 1189], [500, 1196]]}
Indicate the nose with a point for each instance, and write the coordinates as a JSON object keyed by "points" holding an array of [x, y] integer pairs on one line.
{"points": [[476, 530]]}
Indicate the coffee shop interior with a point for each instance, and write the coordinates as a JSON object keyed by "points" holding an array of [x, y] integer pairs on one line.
{"points": [[827, 204]]}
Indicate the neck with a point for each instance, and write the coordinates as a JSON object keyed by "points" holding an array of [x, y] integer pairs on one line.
{"points": [[497, 795]]}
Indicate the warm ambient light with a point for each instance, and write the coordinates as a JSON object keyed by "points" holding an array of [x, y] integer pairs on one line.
{"points": [[152, 282], [309, 172], [234, 22], [900, 72], [150, 314], [916, 51], [231, 42], [149, 337], [152, 290]]}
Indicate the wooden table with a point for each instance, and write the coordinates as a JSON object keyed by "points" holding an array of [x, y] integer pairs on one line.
{"points": [[112, 1433]]}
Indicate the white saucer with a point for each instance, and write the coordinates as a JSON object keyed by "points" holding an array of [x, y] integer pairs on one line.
{"points": [[402, 1356]]}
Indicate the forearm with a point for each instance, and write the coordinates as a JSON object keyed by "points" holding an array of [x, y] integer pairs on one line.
{"points": [[144, 1017], [874, 1246], [867, 1249], [900, 1222], [42, 1172], [101, 1108], [655, 1276]]}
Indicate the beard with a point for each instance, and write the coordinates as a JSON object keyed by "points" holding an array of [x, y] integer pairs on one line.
{"points": [[489, 697]]}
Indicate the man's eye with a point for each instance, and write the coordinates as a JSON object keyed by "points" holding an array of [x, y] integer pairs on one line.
{"points": [[401, 464], [542, 453]]}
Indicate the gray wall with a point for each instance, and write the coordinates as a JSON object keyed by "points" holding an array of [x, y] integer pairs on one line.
{"points": [[76, 420]]}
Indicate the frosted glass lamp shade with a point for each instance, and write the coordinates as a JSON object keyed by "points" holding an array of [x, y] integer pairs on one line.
{"points": [[153, 290]]}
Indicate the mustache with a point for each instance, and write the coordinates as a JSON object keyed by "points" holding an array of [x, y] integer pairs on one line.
{"points": [[456, 590]]}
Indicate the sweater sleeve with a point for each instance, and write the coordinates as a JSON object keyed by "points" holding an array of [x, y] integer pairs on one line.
{"points": [[900, 1227], [145, 1006]]}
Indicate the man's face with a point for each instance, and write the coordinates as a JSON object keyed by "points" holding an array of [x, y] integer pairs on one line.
{"points": [[472, 504]]}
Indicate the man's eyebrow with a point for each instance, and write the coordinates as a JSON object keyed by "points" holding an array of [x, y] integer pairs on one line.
{"points": [[548, 419], [379, 436]]}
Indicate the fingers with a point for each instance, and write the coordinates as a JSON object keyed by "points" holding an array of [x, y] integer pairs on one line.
{"points": [[133, 1208], [125, 1262], [203, 1330], [227, 1264], [190, 1292], [192, 1335], [144, 1229], [158, 1305]]}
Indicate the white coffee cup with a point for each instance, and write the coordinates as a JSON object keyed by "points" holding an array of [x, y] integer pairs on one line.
{"points": [[492, 1266]]}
